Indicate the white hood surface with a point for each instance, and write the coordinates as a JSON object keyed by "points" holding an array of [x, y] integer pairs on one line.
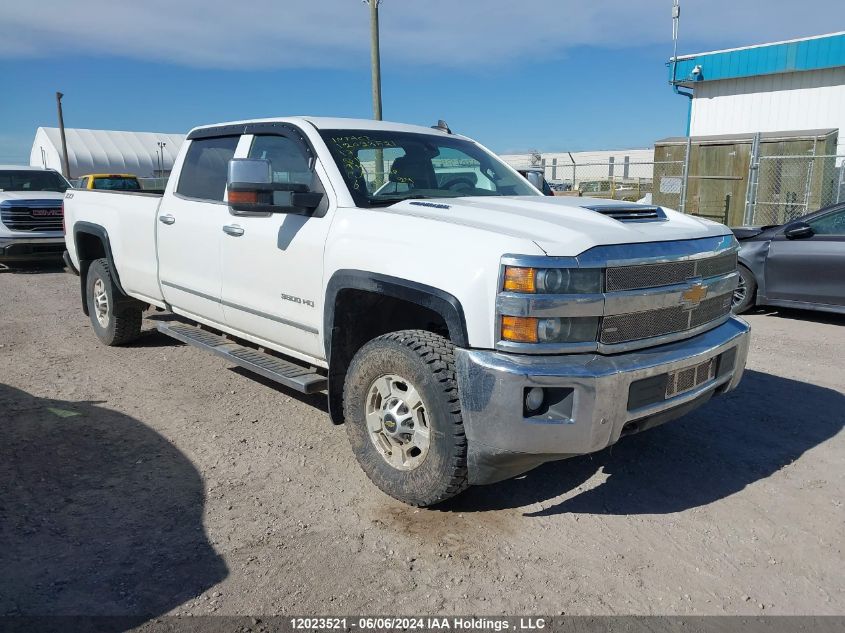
{"points": [[559, 225], [31, 195]]}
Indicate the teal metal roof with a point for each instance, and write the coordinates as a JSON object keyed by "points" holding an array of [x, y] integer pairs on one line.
{"points": [[824, 51]]}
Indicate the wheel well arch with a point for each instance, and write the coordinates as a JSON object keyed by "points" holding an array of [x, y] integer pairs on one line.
{"points": [[744, 263], [360, 306], [92, 242]]}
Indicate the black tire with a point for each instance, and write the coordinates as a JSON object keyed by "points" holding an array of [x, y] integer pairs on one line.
{"points": [[746, 292], [427, 361], [122, 320]]}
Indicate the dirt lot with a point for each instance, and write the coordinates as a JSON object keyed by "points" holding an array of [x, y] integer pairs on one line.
{"points": [[157, 479]]}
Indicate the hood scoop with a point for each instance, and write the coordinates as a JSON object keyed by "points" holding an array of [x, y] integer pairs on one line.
{"points": [[634, 213]]}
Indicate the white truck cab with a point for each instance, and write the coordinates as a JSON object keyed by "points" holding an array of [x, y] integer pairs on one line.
{"points": [[465, 329], [31, 214]]}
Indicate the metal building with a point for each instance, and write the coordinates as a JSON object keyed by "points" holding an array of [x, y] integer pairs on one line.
{"points": [[145, 154], [793, 85]]}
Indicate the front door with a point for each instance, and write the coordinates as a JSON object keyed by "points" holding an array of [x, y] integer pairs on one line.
{"points": [[273, 262], [811, 269], [189, 230]]}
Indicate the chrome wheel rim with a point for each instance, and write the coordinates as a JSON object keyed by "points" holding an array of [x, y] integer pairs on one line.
{"points": [[101, 303], [740, 293], [397, 422]]}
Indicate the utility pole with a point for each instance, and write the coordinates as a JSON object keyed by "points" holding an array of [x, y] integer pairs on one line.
{"points": [[65, 162], [375, 58], [375, 64]]}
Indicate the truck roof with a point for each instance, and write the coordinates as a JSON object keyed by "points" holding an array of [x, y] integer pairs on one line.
{"points": [[24, 168], [335, 123], [109, 175]]}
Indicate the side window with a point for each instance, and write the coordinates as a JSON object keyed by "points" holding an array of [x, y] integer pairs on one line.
{"points": [[288, 160], [205, 168], [831, 224]]}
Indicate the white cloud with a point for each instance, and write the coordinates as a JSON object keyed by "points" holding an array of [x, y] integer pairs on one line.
{"points": [[334, 33]]}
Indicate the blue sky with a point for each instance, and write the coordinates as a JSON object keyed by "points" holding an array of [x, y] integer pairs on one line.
{"points": [[551, 75]]}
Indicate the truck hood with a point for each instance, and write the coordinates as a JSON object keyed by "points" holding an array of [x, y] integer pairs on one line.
{"points": [[560, 226], [31, 195]]}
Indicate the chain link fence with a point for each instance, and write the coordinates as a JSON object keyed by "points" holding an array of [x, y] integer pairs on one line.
{"points": [[156, 184], [771, 189], [787, 187], [630, 181]]}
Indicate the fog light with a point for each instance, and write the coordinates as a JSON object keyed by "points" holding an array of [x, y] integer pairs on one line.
{"points": [[534, 399]]}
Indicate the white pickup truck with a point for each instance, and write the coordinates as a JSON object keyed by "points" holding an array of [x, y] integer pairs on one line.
{"points": [[465, 327], [31, 214]]}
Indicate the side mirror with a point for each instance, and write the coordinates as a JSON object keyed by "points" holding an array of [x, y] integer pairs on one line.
{"points": [[798, 231], [251, 189], [535, 178]]}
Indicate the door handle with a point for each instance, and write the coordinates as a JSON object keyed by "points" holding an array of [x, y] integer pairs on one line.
{"points": [[233, 230], [166, 219]]}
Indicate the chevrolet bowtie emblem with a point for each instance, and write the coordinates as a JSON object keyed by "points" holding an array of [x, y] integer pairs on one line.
{"points": [[693, 295]]}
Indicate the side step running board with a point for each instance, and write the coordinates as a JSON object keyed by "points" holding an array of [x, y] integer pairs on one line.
{"points": [[303, 379]]}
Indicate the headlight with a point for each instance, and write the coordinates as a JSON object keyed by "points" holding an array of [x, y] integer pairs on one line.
{"points": [[549, 330], [559, 281]]}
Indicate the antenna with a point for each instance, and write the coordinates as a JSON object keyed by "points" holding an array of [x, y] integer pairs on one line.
{"points": [[676, 22]]}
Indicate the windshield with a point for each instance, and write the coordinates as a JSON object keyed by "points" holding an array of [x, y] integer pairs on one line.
{"points": [[383, 167], [21, 180], [119, 183]]}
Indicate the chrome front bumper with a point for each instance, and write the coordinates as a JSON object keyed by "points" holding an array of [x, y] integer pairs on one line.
{"points": [[594, 401]]}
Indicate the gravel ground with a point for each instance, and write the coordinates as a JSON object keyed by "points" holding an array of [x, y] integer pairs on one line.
{"points": [[157, 479]]}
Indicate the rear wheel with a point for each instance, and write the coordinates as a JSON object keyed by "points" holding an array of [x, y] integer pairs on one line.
{"points": [[746, 291], [115, 319], [403, 417]]}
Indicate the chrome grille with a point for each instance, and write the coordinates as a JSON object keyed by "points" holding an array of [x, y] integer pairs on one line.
{"points": [[668, 273], [668, 291], [714, 266], [710, 309], [622, 328], [32, 215]]}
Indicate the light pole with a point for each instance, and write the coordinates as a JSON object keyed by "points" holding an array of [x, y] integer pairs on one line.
{"points": [[161, 145], [65, 162], [375, 67]]}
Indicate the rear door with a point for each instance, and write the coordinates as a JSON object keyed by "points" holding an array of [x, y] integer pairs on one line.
{"points": [[812, 269], [189, 229], [273, 262]]}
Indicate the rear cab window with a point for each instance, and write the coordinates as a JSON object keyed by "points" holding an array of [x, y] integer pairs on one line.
{"points": [[117, 183], [205, 168]]}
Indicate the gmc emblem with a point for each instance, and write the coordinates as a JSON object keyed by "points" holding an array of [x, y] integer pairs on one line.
{"points": [[45, 213]]}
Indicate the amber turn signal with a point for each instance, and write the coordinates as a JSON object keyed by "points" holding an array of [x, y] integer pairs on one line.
{"points": [[518, 279], [243, 197], [519, 329]]}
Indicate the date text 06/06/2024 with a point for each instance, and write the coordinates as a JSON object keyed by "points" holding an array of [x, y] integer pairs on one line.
{"points": [[458, 623]]}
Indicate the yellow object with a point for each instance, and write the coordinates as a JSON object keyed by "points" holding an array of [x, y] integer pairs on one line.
{"points": [[519, 329], [89, 181], [519, 279]]}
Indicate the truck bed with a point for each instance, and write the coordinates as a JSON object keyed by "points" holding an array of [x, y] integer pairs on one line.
{"points": [[128, 218]]}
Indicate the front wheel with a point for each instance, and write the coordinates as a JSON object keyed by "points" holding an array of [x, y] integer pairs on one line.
{"points": [[403, 417], [746, 291], [113, 324]]}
